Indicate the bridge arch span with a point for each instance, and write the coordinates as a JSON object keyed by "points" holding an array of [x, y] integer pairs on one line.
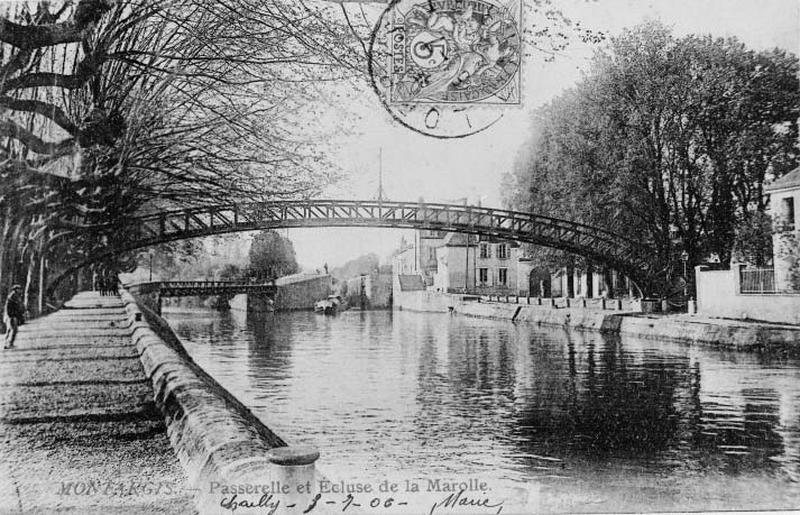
{"points": [[616, 251]]}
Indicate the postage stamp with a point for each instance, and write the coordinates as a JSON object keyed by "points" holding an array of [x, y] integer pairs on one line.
{"points": [[455, 52], [448, 68]]}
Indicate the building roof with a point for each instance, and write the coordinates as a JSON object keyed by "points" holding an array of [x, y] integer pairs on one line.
{"points": [[411, 282], [790, 180]]}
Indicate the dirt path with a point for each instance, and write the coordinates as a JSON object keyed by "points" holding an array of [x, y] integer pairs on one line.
{"points": [[79, 428]]}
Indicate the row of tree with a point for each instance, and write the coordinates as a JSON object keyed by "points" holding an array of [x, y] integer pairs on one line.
{"points": [[666, 140], [116, 107], [216, 258]]}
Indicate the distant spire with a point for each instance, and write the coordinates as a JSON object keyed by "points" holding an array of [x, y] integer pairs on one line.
{"points": [[381, 193]]}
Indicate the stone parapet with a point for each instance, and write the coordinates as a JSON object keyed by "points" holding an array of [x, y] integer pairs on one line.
{"points": [[730, 334], [218, 441]]}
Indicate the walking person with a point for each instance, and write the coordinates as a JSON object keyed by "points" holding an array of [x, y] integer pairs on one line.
{"points": [[13, 315], [113, 284]]}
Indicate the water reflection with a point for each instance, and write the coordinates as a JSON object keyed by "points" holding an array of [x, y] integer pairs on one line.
{"points": [[611, 406], [605, 421]]}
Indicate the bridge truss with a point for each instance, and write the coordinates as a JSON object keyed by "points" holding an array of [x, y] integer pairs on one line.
{"points": [[618, 252], [194, 288]]}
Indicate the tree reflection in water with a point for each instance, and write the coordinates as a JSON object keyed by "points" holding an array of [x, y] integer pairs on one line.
{"points": [[593, 417]]}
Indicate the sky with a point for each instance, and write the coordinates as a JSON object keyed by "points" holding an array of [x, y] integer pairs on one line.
{"points": [[417, 166]]}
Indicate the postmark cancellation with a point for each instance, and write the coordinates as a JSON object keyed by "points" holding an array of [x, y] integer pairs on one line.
{"points": [[454, 52]]}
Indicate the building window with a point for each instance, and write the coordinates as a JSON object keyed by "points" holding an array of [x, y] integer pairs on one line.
{"points": [[483, 276], [787, 213], [432, 253], [484, 250], [502, 251], [502, 276]]}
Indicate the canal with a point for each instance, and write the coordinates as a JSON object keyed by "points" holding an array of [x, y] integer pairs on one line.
{"points": [[578, 420]]}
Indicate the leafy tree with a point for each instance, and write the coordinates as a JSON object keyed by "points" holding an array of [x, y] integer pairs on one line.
{"points": [[272, 255], [230, 272], [114, 107], [212, 258], [117, 107], [665, 140], [753, 244], [365, 264]]}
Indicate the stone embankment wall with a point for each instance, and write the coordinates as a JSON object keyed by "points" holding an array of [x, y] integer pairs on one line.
{"points": [[424, 300], [301, 291], [684, 328], [258, 303], [216, 438], [376, 290], [295, 292]]}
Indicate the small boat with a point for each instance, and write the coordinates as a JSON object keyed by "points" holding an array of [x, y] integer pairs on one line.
{"points": [[328, 306]]}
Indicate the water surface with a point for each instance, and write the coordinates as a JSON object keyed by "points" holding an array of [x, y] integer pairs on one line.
{"points": [[585, 422]]}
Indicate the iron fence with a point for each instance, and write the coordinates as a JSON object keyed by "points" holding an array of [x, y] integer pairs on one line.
{"points": [[757, 280]]}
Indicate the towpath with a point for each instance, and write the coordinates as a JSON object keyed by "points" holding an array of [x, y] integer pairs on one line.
{"points": [[78, 427]]}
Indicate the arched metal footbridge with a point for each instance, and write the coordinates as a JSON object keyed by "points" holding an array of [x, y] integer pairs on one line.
{"points": [[616, 251], [193, 288]]}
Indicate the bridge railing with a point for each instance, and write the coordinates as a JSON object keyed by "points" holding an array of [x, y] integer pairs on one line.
{"points": [[210, 285], [566, 234], [324, 208], [633, 258], [387, 206], [596, 303]]}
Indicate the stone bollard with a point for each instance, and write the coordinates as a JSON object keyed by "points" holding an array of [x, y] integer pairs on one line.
{"points": [[664, 306], [288, 473], [692, 306], [294, 467]]}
